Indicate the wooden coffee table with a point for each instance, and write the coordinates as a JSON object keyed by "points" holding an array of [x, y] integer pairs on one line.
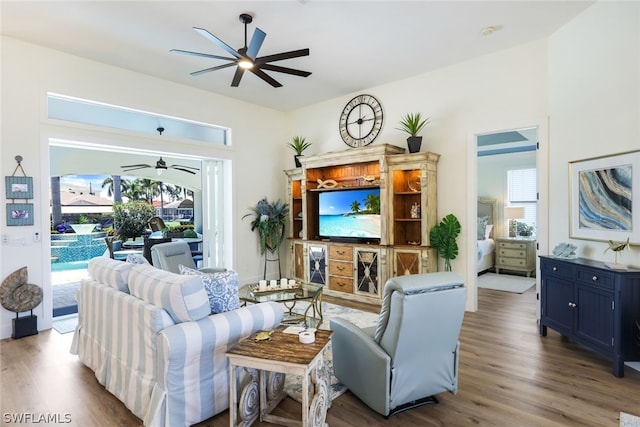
{"points": [[267, 362]]}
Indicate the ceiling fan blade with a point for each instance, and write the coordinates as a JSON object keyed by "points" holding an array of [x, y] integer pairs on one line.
{"points": [[206, 34], [256, 42], [186, 167], [264, 76], [286, 70], [135, 169], [207, 70], [141, 165], [282, 56], [183, 170], [204, 55], [237, 77]]}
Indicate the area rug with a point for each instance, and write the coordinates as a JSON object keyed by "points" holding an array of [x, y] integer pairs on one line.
{"points": [[65, 324], [505, 282], [628, 420], [363, 319]]}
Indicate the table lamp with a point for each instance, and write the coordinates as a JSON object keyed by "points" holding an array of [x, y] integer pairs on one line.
{"points": [[513, 213]]}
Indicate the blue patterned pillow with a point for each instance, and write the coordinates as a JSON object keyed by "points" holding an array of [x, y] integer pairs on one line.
{"points": [[221, 287], [482, 225]]}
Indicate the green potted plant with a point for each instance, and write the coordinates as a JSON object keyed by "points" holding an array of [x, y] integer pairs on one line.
{"points": [[443, 237], [269, 220], [298, 144], [413, 123]]}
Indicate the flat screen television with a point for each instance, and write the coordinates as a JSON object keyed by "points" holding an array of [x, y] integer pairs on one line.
{"points": [[350, 215]]}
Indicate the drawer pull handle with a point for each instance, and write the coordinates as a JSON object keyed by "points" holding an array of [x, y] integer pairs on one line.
{"points": [[594, 278], [555, 268], [340, 252], [340, 268], [572, 305]]}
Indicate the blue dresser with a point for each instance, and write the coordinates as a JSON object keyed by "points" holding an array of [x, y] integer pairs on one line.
{"points": [[593, 305]]}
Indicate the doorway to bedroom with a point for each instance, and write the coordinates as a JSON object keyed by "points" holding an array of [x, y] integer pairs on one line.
{"points": [[507, 210]]}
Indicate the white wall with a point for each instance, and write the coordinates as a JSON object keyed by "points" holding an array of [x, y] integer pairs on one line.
{"points": [[29, 71], [594, 105], [494, 92]]}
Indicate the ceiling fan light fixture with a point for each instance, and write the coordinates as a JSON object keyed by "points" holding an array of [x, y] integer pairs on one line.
{"points": [[246, 63]]}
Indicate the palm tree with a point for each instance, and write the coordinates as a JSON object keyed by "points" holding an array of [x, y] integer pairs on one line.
{"points": [[355, 206], [372, 203], [115, 186]]}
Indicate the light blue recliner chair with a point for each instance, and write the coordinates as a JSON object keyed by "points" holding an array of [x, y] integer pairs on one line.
{"points": [[412, 353]]}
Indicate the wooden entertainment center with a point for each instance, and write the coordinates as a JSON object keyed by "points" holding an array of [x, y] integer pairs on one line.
{"points": [[357, 268]]}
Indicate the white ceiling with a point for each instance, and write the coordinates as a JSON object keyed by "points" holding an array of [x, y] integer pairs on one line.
{"points": [[354, 45]]}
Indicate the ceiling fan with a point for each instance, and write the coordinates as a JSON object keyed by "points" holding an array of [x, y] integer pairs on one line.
{"points": [[246, 58], [160, 166]]}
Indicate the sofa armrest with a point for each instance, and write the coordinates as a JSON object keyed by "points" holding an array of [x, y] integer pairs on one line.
{"points": [[361, 364], [193, 374]]}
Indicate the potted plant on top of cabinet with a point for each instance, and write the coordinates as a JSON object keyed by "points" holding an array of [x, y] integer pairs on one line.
{"points": [[413, 123], [298, 144]]}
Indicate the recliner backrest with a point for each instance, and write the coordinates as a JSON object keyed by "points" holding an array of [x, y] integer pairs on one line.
{"points": [[416, 306], [169, 256]]}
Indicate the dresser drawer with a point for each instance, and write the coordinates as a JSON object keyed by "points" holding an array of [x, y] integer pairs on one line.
{"points": [[344, 253], [341, 284], [341, 268], [512, 262], [512, 253], [512, 245], [598, 278], [558, 269]]}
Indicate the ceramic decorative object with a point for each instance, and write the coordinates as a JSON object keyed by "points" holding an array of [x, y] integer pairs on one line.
{"points": [[565, 250], [414, 184], [415, 210]]}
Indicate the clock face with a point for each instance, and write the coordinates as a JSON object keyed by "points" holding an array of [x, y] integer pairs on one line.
{"points": [[360, 121]]}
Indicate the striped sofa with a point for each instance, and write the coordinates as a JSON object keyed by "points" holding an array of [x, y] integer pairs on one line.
{"points": [[149, 338]]}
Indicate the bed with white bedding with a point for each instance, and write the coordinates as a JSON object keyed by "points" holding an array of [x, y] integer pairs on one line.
{"points": [[485, 245]]}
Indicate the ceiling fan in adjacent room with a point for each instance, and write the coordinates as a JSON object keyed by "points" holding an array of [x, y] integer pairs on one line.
{"points": [[246, 58], [160, 166]]}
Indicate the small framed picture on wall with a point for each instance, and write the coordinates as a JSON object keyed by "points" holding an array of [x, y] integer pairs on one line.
{"points": [[19, 214], [19, 187]]}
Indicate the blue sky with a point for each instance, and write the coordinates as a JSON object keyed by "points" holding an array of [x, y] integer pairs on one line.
{"points": [[339, 201]]}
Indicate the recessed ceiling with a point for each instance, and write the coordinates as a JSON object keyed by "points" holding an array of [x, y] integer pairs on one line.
{"points": [[354, 45]]}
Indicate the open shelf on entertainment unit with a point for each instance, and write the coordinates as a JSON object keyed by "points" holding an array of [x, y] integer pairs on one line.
{"points": [[407, 194]]}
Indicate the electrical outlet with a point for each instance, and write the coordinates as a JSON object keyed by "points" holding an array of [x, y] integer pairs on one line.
{"points": [[36, 237], [5, 239]]}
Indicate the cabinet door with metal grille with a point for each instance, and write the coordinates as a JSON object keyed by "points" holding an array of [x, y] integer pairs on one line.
{"points": [[367, 271], [317, 256]]}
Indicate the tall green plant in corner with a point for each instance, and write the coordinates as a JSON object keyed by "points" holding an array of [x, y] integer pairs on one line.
{"points": [[269, 220], [443, 237]]}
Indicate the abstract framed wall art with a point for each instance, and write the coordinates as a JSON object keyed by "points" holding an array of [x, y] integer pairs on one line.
{"points": [[605, 198], [19, 214], [19, 187]]}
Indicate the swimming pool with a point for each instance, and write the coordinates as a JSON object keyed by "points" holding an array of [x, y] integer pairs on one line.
{"points": [[67, 266]]}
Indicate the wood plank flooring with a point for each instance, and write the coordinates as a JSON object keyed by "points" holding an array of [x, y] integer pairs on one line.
{"points": [[509, 376]]}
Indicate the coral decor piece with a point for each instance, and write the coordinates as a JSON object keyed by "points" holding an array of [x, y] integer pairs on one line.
{"points": [[17, 295]]}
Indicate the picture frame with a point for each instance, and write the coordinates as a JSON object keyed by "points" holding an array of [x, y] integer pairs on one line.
{"points": [[19, 187], [605, 198], [19, 214]]}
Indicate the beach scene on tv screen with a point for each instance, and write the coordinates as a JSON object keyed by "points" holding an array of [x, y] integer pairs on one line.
{"points": [[350, 213]]}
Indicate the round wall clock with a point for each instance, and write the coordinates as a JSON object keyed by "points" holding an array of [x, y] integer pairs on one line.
{"points": [[360, 121]]}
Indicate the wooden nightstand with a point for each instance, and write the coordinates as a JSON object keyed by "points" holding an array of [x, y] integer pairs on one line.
{"points": [[518, 254]]}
